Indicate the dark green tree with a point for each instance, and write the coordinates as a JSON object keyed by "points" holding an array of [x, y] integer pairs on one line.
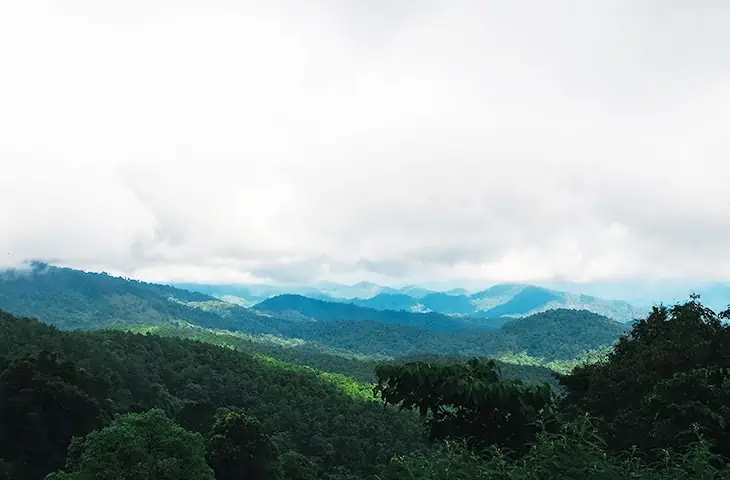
{"points": [[295, 466], [240, 447], [305, 410], [468, 401], [664, 382], [572, 452], [5, 470], [43, 404], [197, 417], [138, 446]]}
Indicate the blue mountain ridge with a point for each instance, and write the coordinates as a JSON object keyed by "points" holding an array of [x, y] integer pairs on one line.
{"points": [[501, 300]]}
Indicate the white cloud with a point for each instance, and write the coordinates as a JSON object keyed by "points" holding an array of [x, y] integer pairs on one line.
{"points": [[347, 140]]}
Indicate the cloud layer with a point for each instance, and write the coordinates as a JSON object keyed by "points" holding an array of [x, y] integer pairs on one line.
{"points": [[388, 141]]}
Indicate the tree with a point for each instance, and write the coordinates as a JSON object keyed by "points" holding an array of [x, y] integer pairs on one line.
{"points": [[295, 466], [5, 470], [468, 401], [240, 448], [42, 406], [573, 452], [196, 417], [663, 383], [138, 446]]}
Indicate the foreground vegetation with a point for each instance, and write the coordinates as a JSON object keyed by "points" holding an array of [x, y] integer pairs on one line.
{"points": [[121, 405], [658, 406], [55, 385]]}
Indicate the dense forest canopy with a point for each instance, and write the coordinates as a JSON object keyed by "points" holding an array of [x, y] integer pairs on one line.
{"points": [[144, 381], [106, 373], [87, 386]]}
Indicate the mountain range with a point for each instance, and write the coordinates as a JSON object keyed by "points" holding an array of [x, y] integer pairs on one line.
{"points": [[501, 300], [305, 308], [73, 299]]}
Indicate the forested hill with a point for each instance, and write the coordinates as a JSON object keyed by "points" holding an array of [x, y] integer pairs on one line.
{"points": [[339, 431], [72, 299], [336, 311], [144, 406], [563, 333]]}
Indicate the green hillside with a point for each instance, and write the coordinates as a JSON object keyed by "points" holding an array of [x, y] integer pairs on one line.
{"points": [[72, 299], [355, 365], [337, 311], [146, 406], [303, 410]]}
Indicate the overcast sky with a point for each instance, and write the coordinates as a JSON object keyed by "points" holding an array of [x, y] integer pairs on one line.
{"points": [[394, 141]]}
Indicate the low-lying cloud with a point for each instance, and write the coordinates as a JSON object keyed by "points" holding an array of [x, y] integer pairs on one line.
{"points": [[279, 141]]}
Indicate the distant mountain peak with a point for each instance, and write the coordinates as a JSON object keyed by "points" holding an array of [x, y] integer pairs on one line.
{"points": [[508, 299]]}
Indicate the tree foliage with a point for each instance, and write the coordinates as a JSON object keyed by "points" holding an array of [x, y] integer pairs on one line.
{"points": [[241, 448], [295, 466], [43, 404], [468, 401], [664, 382], [303, 411], [653, 406], [138, 446], [575, 452]]}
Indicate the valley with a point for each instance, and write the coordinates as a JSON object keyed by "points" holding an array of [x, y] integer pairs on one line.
{"points": [[311, 372], [71, 299]]}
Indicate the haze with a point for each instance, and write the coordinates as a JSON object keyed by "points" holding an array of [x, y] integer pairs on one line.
{"points": [[458, 141]]}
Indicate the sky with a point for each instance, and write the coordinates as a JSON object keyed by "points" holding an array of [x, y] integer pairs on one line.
{"points": [[471, 142]]}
